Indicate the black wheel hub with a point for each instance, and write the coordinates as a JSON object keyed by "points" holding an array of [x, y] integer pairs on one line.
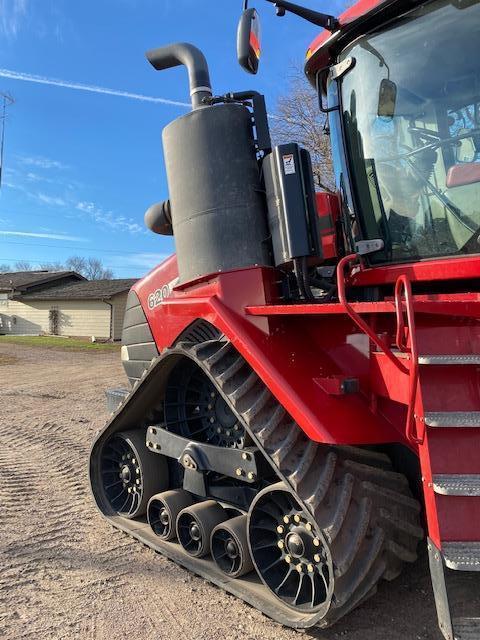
{"points": [[164, 517], [289, 552], [195, 532], [126, 474], [295, 545], [195, 409], [231, 549]]}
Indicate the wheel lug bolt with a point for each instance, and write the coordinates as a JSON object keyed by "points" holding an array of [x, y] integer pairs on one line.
{"points": [[219, 430], [316, 542], [149, 444], [212, 395], [280, 529], [310, 568], [317, 557], [227, 433], [296, 518], [299, 568], [251, 475], [280, 544], [212, 419], [245, 455], [308, 526], [137, 480], [133, 461], [286, 519], [129, 489], [288, 559], [124, 457], [239, 472], [137, 471], [210, 407]]}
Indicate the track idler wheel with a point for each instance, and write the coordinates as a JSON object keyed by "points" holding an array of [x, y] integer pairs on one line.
{"points": [[289, 551], [163, 509], [131, 473], [195, 525], [229, 547]]}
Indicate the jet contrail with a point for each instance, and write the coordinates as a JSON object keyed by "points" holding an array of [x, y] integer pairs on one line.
{"points": [[49, 236], [55, 82]]}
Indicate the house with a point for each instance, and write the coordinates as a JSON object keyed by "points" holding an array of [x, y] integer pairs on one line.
{"points": [[62, 303]]}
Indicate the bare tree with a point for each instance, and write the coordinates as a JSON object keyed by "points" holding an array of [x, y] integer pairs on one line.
{"points": [[76, 263], [22, 265], [4, 268], [95, 270], [52, 266], [90, 268], [298, 119]]}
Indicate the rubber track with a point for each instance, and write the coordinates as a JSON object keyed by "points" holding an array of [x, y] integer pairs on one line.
{"points": [[364, 509]]}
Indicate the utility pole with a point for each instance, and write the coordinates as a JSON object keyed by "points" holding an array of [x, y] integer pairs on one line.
{"points": [[7, 100]]}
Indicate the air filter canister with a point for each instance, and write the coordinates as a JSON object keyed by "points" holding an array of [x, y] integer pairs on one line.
{"points": [[218, 209]]}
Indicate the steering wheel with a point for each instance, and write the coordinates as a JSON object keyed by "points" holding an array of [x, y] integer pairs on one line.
{"points": [[426, 134]]}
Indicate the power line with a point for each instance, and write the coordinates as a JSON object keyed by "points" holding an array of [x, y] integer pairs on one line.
{"points": [[72, 249], [49, 261]]}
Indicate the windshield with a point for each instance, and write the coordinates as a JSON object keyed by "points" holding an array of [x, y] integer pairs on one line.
{"points": [[411, 109]]}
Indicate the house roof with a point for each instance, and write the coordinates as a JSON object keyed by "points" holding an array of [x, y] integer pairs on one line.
{"points": [[22, 280], [83, 290]]}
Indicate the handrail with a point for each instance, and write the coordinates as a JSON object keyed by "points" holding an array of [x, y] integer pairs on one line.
{"points": [[403, 285], [359, 321]]}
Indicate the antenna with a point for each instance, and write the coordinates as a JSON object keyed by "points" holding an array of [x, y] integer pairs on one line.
{"points": [[7, 100], [245, 5]]}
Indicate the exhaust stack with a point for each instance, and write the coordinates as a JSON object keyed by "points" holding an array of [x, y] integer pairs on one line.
{"points": [[174, 55], [217, 209]]}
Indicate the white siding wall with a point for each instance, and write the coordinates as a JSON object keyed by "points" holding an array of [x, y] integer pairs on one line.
{"points": [[119, 303], [76, 317]]}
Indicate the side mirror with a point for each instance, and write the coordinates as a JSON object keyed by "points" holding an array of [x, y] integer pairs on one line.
{"points": [[387, 98], [248, 41]]}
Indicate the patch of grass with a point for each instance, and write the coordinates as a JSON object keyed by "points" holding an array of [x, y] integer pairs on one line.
{"points": [[50, 342]]}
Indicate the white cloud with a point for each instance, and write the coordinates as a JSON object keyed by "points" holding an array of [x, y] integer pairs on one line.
{"points": [[41, 162], [51, 200], [67, 84], [143, 260], [109, 219], [49, 236], [12, 14]]}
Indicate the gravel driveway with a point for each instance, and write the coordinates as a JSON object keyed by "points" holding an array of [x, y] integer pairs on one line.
{"points": [[66, 573]]}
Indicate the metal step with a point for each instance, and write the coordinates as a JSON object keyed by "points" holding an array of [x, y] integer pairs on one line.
{"points": [[452, 418], [466, 628], [462, 556], [450, 359], [457, 485]]}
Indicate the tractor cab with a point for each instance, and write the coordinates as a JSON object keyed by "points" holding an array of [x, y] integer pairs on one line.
{"points": [[401, 85]]}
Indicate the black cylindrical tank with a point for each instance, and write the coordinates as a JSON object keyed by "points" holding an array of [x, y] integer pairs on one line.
{"points": [[218, 210]]}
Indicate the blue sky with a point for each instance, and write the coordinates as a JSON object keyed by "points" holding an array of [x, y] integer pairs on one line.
{"points": [[81, 167]]}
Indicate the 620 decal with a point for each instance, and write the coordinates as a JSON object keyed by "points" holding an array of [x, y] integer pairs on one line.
{"points": [[159, 295]]}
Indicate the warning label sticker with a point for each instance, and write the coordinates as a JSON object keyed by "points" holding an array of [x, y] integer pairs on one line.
{"points": [[288, 164]]}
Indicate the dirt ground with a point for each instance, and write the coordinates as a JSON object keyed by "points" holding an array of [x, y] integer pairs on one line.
{"points": [[66, 573]]}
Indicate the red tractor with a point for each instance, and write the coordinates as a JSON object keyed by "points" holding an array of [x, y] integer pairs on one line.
{"points": [[305, 400]]}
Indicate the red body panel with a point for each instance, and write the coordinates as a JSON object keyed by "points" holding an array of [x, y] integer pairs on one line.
{"points": [[318, 54]]}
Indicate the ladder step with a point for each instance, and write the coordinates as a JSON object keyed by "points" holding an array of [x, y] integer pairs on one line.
{"points": [[466, 628], [462, 556], [450, 359], [452, 418], [457, 485]]}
